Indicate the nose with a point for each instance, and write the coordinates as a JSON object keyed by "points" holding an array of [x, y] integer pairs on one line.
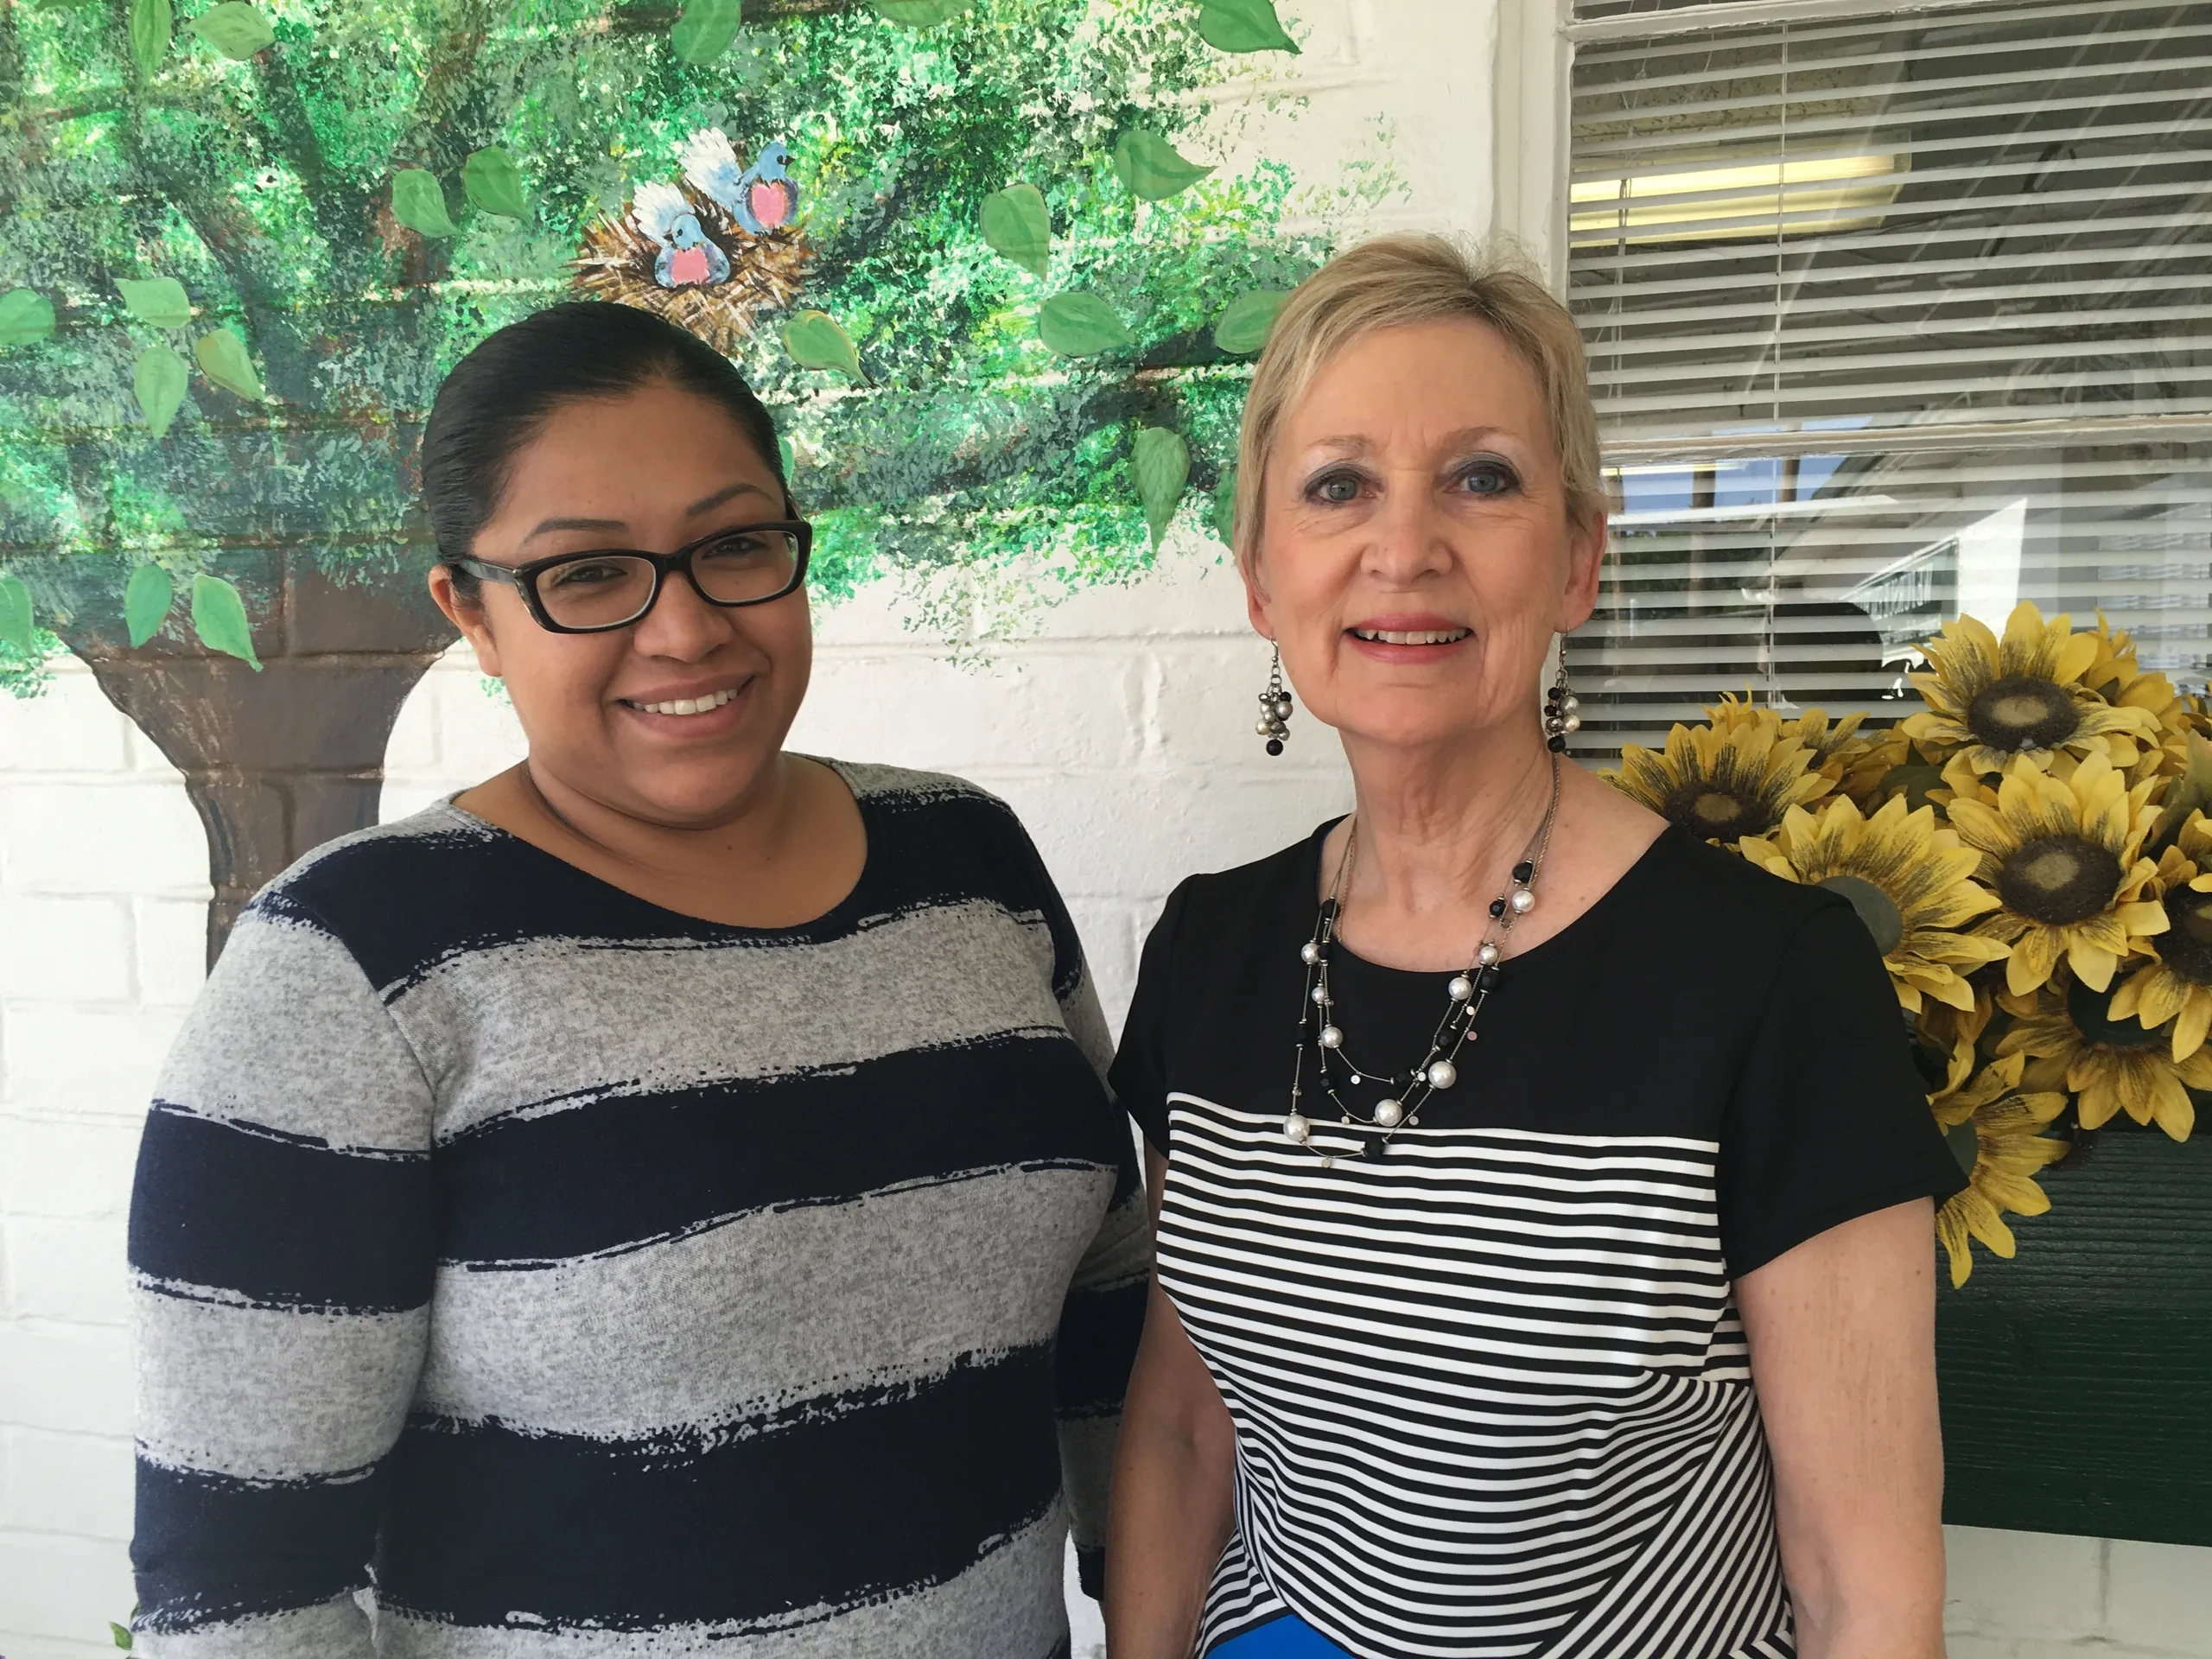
{"points": [[1410, 537], [681, 626]]}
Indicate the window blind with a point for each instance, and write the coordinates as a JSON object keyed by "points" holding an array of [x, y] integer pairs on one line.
{"points": [[1889, 314]]}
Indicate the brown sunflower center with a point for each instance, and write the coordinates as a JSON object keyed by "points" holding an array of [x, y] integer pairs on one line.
{"points": [[2186, 945], [1711, 811], [1876, 908], [2091, 1013], [2058, 878], [2022, 712]]}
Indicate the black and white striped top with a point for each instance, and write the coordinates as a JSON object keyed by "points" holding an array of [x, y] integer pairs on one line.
{"points": [[1491, 1392], [600, 1281]]}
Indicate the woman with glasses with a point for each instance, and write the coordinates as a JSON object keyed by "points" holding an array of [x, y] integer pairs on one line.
{"points": [[662, 1198]]}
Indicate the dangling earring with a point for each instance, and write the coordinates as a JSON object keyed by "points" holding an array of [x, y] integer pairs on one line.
{"points": [[1561, 718], [1274, 707]]}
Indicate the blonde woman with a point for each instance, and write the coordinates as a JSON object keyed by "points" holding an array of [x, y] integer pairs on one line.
{"points": [[1607, 1336]]}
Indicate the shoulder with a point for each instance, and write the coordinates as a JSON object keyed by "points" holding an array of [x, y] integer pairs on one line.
{"points": [[342, 885], [1707, 898], [928, 802]]}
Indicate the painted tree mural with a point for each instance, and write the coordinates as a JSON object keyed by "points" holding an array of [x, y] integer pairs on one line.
{"points": [[1005, 319]]}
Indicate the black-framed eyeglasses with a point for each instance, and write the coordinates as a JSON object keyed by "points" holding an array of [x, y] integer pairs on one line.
{"points": [[613, 587]]}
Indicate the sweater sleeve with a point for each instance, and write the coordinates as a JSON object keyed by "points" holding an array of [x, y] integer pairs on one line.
{"points": [[282, 1250], [1100, 1324]]}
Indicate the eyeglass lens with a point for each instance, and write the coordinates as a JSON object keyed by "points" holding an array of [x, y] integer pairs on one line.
{"points": [[602, 591]]}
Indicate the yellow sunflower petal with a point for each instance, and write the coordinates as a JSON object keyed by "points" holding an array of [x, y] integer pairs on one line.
{"points": [[1951, 1228], [2034, 958]]}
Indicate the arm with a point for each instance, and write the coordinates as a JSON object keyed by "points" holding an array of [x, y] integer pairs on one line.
{"points": [[282, 1253], [1172, 1506], [1100, 1324], [1842, 1337]]}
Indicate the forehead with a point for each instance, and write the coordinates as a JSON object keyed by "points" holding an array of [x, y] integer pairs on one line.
{"points": [[1407, 381], [655, 433]]}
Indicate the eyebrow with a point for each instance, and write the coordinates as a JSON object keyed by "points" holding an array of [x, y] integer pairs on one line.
{"points": [[1357, 443], [705, 503]]}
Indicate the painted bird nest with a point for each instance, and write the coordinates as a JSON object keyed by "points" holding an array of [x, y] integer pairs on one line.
{"points": [[766, 273], [2031, 852], [711, 251]]}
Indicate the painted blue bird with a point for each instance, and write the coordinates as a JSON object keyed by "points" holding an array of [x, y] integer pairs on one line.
{"points": [[687, 259]]}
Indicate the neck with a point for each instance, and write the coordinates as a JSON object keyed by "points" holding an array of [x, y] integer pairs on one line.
{"points": [[750, 836], [1440, 827]]}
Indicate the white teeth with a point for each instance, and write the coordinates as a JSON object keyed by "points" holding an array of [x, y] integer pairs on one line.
{"points": [[688, 705], [1427, 636]]}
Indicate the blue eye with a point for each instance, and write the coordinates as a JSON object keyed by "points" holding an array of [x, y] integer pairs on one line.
{"points": [[1489, 477], [1335, 488]]}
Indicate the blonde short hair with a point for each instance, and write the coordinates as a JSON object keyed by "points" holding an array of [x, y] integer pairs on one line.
{"points": [[1414, 278]]}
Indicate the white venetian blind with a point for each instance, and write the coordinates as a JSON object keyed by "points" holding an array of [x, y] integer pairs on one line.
{"points": [[1890, 315]]}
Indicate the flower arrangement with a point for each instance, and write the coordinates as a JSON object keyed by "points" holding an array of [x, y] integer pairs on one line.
{"points": [[2031, 852]]}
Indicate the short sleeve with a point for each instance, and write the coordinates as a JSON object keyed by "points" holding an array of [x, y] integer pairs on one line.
{"points": [[1828, 1120], [1139, 1076]]}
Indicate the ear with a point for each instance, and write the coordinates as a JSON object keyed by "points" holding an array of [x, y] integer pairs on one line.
{"points": [[1585, 566], [467, 615], [1255, 599]]}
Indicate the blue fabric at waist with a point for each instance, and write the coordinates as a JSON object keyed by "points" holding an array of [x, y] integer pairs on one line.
{"points": [[1288, 1637]]}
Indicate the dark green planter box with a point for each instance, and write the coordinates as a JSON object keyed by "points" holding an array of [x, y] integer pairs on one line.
{"points": [[2077, 1377]]}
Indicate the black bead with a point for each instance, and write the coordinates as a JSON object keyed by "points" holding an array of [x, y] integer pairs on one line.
{"points": [[1486, 979], [1275, 746], [1498, 906], [1374, 1148], [1523, 871], [1556, 745]]}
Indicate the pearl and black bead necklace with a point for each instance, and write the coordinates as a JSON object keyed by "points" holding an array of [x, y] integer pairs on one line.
{"points": [[1465, 995]]}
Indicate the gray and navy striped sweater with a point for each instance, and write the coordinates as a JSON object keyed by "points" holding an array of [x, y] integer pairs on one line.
{"points": [[592, 1280]]}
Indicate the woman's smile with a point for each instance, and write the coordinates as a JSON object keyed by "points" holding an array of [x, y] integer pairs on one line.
{"points": [[1423, 637], [688, 712]]}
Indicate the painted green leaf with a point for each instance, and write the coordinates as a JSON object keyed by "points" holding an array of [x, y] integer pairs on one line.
{"points": [[494, 183], [222, 356], [1080, 325], [417, 203], [1161, 461], [15, 615], [1242, 328], [26, 315], [219, 618], [158, 300], [1016, 224], [159, 377], [1243, 26], [921, 14], [815, 340], [120, 1635], [233, 28], [704, 29], [151, 28], [1152, 167], [146, 600], [1224, 508]]}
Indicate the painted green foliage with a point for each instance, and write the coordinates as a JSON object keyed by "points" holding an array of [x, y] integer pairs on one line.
{"points": [[248, 242]]}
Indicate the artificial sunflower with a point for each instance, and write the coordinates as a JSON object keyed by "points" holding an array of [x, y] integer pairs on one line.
{"points": [[1996, 1131], [2072, 1042], [1911, 883], [1945, 1045], [2178, 985], [1720, 784], [2063, 849], [1992, 699], [2120, 680]]}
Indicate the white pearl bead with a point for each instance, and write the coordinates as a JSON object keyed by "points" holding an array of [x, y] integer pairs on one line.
{"points": [[1297, 1127], [1573, 722], [1569, 705], [1524, 902], [1321, 995], [1265, 726], [1282, 710], [1487, 954], [1309, 953], [1460, 988], [1443, 1074], [1389, 1114], [1331, 1038]]}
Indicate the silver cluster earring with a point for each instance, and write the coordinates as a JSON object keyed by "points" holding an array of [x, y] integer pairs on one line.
{"points": [[1561, 719], [1274, 708]]}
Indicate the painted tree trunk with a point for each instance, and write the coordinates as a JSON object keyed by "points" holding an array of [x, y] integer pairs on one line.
{"points": [[279, 761]]}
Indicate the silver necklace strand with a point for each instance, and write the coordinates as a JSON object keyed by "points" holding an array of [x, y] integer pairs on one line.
{"points": [[1465, 995]]}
